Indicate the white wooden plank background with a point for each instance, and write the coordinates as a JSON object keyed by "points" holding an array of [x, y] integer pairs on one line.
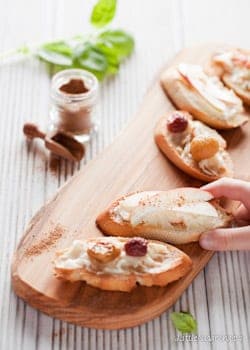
{"points": [[219, 297]]}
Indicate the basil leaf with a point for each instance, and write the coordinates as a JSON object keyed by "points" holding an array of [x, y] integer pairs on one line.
{"points": [[89, 57], [103, 13], [59, 47], [184, 322], [120, 42], [116, 45], [58, 53], [111, 56]]}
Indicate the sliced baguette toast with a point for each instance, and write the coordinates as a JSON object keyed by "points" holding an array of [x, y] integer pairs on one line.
{"points": [[204, 97], [177, 147], [119, 264], [176, 216]]}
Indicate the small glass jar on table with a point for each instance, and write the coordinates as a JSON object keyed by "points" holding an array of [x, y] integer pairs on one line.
{"points": [[74, 94]]}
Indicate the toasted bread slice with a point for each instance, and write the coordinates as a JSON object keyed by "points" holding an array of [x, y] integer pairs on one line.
{"points": [[204, 97], [177, 147], [235, 71], [176, 216], [119, 264]]}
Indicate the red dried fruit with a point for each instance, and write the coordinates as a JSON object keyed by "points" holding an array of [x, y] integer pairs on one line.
{"points": [[177, 123], [136, 247]]}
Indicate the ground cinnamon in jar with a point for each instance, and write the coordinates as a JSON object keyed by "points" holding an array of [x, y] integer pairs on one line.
{"points": [[74, 86], [74, 96]]}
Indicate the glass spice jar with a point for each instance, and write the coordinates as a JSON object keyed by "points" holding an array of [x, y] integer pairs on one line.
{"points": [[74, 94]]}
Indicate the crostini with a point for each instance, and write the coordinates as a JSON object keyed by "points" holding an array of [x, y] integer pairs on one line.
{"points": [[205, 97], [176, 216], [193, 147], [235, 66], [119, 264]]}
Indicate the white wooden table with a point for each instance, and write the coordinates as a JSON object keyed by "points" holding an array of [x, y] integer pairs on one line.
{"points": [[219, 297]]}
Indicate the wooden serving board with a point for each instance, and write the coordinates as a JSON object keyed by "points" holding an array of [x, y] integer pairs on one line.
{"points": [[131, 163]]}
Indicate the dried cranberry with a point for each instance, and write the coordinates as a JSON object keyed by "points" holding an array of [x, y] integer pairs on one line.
{"points": [[177, 123], [136, 247]]}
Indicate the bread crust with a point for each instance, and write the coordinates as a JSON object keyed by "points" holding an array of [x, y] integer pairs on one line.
{"points": [[187, 99], [117, 282], [106, 223], [169, 150]]}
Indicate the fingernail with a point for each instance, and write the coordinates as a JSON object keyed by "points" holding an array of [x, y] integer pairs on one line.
{"points": [[206, 241]]}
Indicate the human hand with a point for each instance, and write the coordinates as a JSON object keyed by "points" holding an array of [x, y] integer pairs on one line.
{"points": [[237, 238]]}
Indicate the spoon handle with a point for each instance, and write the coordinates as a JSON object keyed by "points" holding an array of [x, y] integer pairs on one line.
{"points": [[32, 131]]}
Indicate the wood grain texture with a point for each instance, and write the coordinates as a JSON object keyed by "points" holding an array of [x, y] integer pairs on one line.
{"points": [[117, 171]]}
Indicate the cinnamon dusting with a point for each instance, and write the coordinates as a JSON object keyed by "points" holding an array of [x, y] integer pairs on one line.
{"points": [[59, 333], [74, 86], [46, 243], [179, 225]]}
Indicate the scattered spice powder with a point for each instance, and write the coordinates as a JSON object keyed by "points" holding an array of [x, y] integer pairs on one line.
{"points": [[59, 333], [180, 201], [54, 165], [179, 225], [45, 243]]}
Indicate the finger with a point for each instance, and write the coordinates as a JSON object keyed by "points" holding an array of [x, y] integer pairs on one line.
{"points": [[230, 188], [226, 239], [241, 213]]}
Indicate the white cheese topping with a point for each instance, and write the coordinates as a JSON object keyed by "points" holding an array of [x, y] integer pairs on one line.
{"points": [[158, 258], [129, 203], [214, 165], [212, 90]]}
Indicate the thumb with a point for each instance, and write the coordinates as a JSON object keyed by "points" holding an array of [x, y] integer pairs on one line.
{"points": [[226, 239]]}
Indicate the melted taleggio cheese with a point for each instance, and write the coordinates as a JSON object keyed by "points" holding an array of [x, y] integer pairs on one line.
{"points": [[238, 65], [157, 259], [212, 90], [163, 212]]}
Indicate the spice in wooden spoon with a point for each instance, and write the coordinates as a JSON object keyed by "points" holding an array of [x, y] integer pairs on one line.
{"points": [[60, 143]]}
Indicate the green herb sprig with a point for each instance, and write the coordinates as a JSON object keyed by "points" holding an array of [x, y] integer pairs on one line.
{"points": [[184, 322], [100, 52]]}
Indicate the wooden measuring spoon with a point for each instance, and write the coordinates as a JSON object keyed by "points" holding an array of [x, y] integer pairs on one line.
{"points": [[57, 142]]}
